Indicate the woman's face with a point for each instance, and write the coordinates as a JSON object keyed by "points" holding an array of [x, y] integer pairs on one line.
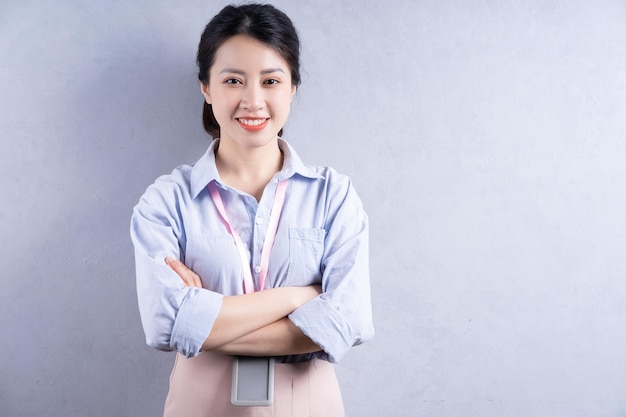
{"points": [[250, 91]]}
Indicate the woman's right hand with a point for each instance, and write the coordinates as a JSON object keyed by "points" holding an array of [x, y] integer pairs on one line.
{"points": [[190, 278]]}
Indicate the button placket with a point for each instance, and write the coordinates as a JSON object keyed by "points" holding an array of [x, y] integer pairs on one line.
{"points": [[260, 228]]}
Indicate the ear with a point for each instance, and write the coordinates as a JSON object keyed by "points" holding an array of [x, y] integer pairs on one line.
{"points": [[293, 91], [204, 88]]}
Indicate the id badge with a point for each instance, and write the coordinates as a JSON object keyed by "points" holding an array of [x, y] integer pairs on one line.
{"points": [[253, 381]]}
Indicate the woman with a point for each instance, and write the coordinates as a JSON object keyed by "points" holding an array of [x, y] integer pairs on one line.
{"points": [[250, 251]]}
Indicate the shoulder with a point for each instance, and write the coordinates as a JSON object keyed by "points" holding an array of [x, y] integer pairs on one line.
{"points": [[333, 180], [313, 175], [325, 181], [331, 189], [185, 182], [170, 189]]}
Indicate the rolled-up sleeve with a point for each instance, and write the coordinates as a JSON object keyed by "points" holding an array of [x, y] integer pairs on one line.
{"points": [[174, 317], [341, 317]]}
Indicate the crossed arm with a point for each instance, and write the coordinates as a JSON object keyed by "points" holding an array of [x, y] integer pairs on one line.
{"points": [[255, 324]]}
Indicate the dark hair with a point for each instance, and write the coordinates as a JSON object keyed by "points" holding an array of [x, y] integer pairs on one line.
{"points": [[262, 22]]}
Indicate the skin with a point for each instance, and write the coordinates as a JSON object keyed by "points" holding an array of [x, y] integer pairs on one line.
{"points": [[248, 81], [250, 90], [255, 324]]}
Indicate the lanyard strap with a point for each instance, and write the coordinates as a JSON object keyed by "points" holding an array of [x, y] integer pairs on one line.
{"points": [[270, 235]]}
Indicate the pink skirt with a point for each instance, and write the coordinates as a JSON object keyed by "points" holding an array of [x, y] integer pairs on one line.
{"points": [[200, 387]]}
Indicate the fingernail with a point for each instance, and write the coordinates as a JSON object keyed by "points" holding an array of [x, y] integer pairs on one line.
{"points": [[168, 259]]}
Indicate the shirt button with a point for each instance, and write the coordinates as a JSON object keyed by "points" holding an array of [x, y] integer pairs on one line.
{"points": [[257, 269], [258, 220]]}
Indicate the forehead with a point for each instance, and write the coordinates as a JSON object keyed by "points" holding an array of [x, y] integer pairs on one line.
{"points": [[244, 52]]}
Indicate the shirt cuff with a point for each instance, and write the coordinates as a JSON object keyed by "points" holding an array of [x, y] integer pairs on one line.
{"points": [[194, 321], [321, 323]]}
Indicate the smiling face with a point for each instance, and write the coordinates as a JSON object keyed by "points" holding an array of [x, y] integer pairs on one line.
{"points": [[250, 91]]}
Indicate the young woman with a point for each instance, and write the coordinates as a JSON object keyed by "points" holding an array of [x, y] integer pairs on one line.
{"points": [[249, 251]]}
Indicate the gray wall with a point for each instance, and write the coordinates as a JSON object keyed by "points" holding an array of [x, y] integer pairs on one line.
{"points": [[487, 140]]}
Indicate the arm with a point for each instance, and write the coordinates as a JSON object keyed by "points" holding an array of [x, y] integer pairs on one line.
{"points": [[280, 338], [180, 315], [341, 317], [243, 314], [255, 323]]}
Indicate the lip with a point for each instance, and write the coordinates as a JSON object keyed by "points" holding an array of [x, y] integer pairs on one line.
{"points": [[258, 123]]}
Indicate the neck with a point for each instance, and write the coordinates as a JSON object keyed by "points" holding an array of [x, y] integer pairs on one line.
{"points": [[248, 168]]}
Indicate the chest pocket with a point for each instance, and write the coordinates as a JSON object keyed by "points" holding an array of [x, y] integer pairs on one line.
{"points": [[306, 248]]}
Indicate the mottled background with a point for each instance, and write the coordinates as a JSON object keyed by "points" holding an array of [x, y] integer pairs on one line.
{"points": [[487, 140]]}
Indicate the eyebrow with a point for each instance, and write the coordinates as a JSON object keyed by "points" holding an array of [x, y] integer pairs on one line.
{"points": [[240, 72]]}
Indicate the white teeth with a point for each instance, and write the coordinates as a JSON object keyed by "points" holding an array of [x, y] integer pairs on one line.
{"points": [[252, 122]]}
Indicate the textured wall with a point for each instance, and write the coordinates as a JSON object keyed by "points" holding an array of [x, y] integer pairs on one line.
{"points": [[487, 140]]}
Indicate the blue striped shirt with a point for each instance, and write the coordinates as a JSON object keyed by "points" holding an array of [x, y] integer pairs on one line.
{"points": [[322, 238]]}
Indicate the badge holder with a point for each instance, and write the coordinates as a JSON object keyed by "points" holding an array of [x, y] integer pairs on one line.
{"points": [[253, 381]]}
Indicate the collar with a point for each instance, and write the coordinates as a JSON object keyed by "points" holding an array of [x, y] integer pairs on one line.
{"points": [[204, 171]]}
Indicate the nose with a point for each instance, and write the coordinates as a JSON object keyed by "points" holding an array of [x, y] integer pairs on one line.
{"points": [[253, 98]]}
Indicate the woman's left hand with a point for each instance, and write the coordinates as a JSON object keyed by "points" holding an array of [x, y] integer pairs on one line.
{"points": [[190, 278]]}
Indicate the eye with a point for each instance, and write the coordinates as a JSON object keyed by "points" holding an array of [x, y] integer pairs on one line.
{"points": [[232, 81], [271, 81]]}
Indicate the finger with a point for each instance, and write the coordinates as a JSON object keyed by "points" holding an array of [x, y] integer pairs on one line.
{"points": [[190, 278], [181, 270], [197, 282]]}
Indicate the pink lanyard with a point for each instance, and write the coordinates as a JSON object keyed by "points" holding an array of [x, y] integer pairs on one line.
{"points": [[270, 235]]}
